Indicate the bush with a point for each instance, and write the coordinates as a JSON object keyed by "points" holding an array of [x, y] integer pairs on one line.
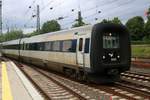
{"points": [[140, 42], [141, 51]]}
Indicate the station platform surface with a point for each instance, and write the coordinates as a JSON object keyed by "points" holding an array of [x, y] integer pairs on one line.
{"points": [[14, 85]]}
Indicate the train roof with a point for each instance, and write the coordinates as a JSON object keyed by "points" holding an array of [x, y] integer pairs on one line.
{"points": [[58, 35]]}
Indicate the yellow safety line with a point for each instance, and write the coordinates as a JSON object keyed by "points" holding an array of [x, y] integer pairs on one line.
{"points": [[6, 90]]}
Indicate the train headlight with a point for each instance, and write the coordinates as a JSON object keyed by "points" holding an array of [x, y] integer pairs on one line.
{"points": [[110, 34], [104, 57], [118, 56]]}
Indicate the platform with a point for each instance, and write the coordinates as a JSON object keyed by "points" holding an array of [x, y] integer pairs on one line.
{"points": [[14, 85]]}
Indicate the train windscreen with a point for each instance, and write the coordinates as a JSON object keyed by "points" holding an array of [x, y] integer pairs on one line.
{"points": [[110, 41]]}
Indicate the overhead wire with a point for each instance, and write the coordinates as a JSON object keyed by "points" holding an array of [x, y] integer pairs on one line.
{"points": [[85, 10], [98, 7], [30, 7]]}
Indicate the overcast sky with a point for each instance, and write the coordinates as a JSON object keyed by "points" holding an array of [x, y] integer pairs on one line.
{"points": [[16, 13]]}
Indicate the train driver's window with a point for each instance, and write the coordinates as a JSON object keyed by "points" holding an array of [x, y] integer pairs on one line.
{"points": [[80, 44], [87, 43]]}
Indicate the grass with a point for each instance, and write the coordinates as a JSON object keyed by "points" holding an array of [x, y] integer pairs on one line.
{"points": [[141, 51]]}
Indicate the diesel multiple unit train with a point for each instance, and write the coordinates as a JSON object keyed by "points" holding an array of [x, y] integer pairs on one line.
{"points": [[97, 53]]}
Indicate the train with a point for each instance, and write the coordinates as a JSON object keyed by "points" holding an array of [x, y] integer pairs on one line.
{"points": [[97, 53]]}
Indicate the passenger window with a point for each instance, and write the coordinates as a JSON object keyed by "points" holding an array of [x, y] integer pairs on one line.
{"points": [[27, 46], [24, 46], [40, 46], [69, 46], [87, 43], [66, 45], [80, 44], [56, 46], [48, 46]]}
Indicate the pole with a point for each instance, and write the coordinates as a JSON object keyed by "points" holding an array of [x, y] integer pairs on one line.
{"points": [[1, 46], [1, 17], [79, 18], [38, 19]]}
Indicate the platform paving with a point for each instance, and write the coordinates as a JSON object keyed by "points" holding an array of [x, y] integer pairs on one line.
{"points": [[0, 82], [18, 87]]}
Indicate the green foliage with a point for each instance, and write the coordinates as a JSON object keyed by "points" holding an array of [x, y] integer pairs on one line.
{"points": [[79, 21], [148, 14], [116, 20], [105, 21], [146, 39], [12, 35], [78, 25], [135, 26], [32, 34], [141, 51], [50, 26], [147, 29], [140, 42]]}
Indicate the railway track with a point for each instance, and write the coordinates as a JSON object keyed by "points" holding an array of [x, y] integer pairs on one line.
{"points": [[135, 82], [51, 89], [116, 92], [57, 87], [81, 91], [140, 76], [70, 90], [86, 89], [137, 79], [140, 92]]}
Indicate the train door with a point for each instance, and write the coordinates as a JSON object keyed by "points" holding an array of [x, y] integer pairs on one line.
{"points": [[80, 51]]}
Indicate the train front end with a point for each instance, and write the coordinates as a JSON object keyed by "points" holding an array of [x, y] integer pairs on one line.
{"points": [[110, 51]]}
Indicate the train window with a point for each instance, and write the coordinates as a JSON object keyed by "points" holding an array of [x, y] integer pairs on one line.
{"points": [[35, 46], [24, 46], [40, 46], [74, 45], [27, 46], [87, 43], [66, 45], [110, 41], [31, 46], [80, 44], [21, 46], [69, 46], [56, 46], [15, 46], [47, 46], [61, 46]]}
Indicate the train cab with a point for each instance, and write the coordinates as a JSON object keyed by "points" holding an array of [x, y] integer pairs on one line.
{"points": [[110, 49]]}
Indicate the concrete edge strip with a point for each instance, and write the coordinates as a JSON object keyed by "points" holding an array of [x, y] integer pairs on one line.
{"points": [[28, 85], [6, 90]]}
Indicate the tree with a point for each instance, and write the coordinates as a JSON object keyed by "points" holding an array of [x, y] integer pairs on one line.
{"points": [[147, 29], [148, 14], [12, 35], [50, 26], [116, 20], [79, 21], [105, 21], [32, 34], [135, 26], [78, 25]]}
